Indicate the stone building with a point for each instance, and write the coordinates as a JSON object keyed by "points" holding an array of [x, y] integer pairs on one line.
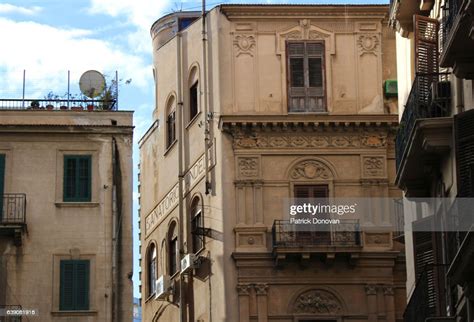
{"points": [[277, 101], [65, 212], [435, 55]]}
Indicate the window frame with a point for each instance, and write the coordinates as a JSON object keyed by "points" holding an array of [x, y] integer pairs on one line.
{"points": [[196, 214], [77, 197], [306, 76], [151, 268], [170, 139], [191, 116], [173, 250]]}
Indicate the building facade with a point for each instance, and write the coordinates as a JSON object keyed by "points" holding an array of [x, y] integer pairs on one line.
{"points": [[276, 102], [66, 213], [435, 55]]}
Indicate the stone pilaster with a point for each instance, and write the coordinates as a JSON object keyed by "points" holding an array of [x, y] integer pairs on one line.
{"points": [[262, 304], [243, 290], [389, 303], [371, 292]]}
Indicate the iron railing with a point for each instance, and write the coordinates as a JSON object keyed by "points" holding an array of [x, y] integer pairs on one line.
{"points": [[9, 313], [58, 104], [346, 233], [13, 208], [450, 12], [424, 101]]}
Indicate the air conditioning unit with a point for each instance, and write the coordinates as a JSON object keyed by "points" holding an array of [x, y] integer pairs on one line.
{"points": [[187, 263], [441, 90], [162, 287]]}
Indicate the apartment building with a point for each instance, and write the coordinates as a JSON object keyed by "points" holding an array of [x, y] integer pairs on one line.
{"points": [[435, 55], [256, 104], [65, 212]]}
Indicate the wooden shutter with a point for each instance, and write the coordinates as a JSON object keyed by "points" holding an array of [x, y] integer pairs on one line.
{"points": [[464, 141], [426, 243], [305, 69], [74, 285], [426, 54], [193, 101], [77, 178], [66, 301], [311, 191], [81, 280]]}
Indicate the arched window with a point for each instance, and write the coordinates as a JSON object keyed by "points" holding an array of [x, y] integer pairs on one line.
{"points": [[151, 267], [197, 225], [173, 249], [170, 123], [193, 94]]}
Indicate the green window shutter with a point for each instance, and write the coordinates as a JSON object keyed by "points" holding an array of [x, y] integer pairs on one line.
{"points": [[77, 178], [66, 301], [82, 284], [74, 285]]}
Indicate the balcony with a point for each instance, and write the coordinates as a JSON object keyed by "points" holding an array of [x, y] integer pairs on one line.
{"points": [[401, 13], [11, 316], [425, 301], [341, 238], [13, 216], [425, 132], [458, 37]]}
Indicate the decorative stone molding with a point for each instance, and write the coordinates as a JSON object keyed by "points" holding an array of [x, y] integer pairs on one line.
{"points": [[371, 289], [368, 44], [373, 166], [317, 302], [248, 167], [305, 31], [244, 44], [311, 169], [243, 289], [387, 290], [376, 140], [261, 289], [377, 239]]}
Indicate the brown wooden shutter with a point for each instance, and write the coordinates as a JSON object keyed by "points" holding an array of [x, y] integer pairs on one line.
{"points": [[464, 140], [426, 244], [311, 191], [426, 54], [305, 70]]}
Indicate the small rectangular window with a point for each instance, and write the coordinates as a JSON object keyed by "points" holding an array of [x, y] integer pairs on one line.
{"points": [[193, 101], [77, 178], [171, 129], [306, 92], [173, 255], [74, 285]]}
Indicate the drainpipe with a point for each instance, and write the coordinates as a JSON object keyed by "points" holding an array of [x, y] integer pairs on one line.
{"points": [[114, 234], [180, 127], [205, 98]]}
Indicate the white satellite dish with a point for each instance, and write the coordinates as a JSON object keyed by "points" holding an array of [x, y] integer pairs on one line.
{"points": [[92, 83]]}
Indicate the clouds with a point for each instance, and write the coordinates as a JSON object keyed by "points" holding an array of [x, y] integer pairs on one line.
{"points": [[48, 52], [7, 8]]}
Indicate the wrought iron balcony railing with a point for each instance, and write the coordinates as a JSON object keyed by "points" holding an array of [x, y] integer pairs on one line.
{"points": [[429, 97], [13, 209], [451, 10], [58, 104], [347, 233]]}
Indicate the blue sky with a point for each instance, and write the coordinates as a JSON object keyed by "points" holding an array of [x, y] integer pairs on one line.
{"points": [[49, 37]]}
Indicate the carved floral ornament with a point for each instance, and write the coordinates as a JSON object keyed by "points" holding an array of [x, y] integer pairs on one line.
{"points": [[368, 43], [311, 169], [244, 44], [305, 31], [317, 302], [259, 140], [248, 166]]}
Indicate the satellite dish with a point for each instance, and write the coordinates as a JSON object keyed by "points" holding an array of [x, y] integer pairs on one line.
{"points": [[92, 83]]}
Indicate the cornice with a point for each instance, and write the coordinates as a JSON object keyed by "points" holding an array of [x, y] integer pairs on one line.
{"points": [[326, 11]]}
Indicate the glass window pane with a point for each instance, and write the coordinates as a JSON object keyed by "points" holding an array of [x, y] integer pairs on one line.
{"points": [[315, 72], [297, 72]]}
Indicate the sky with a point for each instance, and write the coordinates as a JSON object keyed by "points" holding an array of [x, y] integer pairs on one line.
{"points": [[48, 38]]}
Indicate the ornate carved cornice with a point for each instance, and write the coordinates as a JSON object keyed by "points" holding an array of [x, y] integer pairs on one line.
{"points": [[286, 132]]}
